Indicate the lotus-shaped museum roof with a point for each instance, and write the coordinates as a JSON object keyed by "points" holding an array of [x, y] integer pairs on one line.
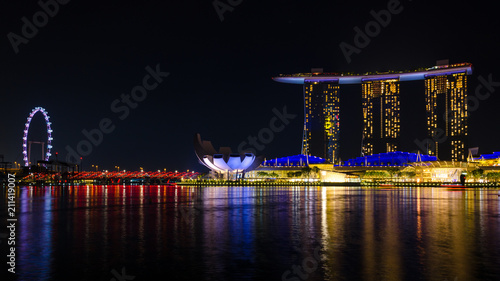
{"points": [[224, 160]]}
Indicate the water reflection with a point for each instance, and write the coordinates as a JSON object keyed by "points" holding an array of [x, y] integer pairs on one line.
{"points": [[248, 233]]}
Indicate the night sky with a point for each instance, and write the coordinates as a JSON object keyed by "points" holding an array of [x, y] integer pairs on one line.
{"points": [[89, 54]]}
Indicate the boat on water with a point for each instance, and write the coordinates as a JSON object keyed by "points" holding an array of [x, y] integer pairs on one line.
{"points": [[453, 185]]}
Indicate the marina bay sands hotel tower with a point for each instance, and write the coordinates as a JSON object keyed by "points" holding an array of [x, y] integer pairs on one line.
{"points": [[446, 109]]}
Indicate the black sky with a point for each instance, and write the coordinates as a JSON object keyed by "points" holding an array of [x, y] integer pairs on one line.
{"points": [[220, 84]]}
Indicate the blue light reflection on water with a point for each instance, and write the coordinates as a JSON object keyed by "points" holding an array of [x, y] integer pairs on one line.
{"points": [[35, 234], [238, 233]]}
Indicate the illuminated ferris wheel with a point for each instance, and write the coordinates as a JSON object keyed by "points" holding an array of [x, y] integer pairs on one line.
{"points": [[27, 144]]}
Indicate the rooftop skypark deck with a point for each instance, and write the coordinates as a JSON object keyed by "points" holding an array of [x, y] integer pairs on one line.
{"points": [[354, 78]]}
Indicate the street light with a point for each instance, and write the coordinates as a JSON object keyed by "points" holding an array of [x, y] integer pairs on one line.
{"points": [[117, 168]]}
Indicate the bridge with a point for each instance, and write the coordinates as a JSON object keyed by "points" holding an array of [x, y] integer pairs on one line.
{"points": [[117, 177]]}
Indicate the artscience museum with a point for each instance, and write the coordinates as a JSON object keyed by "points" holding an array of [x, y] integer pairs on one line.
{"points": [[224, 163]]}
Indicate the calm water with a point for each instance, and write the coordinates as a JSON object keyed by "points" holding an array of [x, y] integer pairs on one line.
{"points": [[250, 233]]}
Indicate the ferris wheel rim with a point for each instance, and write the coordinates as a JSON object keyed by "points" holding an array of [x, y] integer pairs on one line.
{"points": [[26, 130]]}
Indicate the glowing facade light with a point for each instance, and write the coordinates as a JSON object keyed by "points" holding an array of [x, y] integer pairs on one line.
{"points": [[381, 116], [26, 130], [321, 110], [447, 96], [446, 108]]}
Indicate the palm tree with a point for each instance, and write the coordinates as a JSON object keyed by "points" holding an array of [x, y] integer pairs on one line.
{"points": [[306, 171], [375, 174], [493, 176], [262, 174], [316, 171], [393, 171], [273, 175], [477, 173]]}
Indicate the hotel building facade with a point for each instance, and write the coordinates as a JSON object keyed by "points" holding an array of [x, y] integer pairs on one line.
{"points": [[381, 116], [446, 109], [321, 120]]}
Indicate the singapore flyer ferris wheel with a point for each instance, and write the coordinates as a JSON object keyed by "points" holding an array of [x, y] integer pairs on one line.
{"points": [[27, 144]]}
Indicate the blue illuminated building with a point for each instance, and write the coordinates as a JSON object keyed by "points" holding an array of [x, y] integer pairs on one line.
{"points": [[396, 158], [293, 161], [494, 155]]}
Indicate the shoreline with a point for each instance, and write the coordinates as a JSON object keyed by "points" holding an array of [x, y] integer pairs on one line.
{"points": [[272, 183]]}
